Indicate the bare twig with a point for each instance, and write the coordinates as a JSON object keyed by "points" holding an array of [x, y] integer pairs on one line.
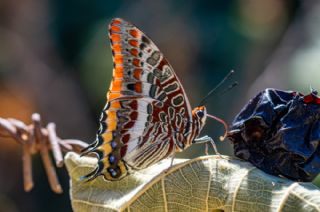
{"points": [[27, 168], [76, 145], [36, 139], [44, 152], [10, 130], [52, 135]]}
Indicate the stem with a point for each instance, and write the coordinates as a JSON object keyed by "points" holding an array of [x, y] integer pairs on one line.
{"points": [[51, 173], [27, 168], [53, 139]]}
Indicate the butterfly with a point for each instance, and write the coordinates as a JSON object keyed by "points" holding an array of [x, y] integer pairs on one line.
{"points": [[147, 116]]}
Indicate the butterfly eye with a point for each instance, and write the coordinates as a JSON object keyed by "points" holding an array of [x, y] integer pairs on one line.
{"points": [[200, 113]]}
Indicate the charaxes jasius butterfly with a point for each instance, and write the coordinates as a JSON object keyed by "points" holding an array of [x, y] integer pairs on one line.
{"points": [[147, 116]]}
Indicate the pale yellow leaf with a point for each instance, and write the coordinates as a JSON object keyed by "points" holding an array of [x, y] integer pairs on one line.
{"points": [[202, 184]]}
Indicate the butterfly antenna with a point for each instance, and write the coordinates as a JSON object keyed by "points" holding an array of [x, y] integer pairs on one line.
{"points": [[204, 100], [230, 87], [224, 124]]}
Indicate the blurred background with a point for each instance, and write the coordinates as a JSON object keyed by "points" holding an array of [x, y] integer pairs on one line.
{"points": [[55, 59]]}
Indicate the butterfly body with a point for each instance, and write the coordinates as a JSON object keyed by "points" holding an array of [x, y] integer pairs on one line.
{"points": [[147, 116]]}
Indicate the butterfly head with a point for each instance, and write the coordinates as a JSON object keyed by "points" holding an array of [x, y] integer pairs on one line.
{"points": [[200, 115]]}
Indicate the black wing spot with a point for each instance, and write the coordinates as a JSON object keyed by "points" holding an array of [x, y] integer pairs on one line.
{"points": [[142, 46], [130, 87], [145, 40]]}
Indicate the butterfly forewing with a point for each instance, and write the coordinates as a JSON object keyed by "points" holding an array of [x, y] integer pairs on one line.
{"points": [[147, 114], [140, 69]]}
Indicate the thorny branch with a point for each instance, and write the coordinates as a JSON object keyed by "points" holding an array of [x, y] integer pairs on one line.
{"points": [[34, 138]]}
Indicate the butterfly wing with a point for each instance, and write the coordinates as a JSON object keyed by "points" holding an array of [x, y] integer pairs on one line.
{"points": [[147, 112]]}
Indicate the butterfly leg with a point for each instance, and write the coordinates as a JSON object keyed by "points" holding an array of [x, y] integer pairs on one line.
{"points": [[206, 139], [171, 163]]}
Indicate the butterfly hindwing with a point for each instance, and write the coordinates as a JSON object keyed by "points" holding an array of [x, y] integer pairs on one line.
{"points": [[147, 110]]}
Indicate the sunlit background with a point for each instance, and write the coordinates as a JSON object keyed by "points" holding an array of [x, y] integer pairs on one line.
{"points": [[55, 59]]}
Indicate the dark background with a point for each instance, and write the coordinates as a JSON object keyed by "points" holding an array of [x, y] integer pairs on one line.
{"points": [[55, 59]]}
